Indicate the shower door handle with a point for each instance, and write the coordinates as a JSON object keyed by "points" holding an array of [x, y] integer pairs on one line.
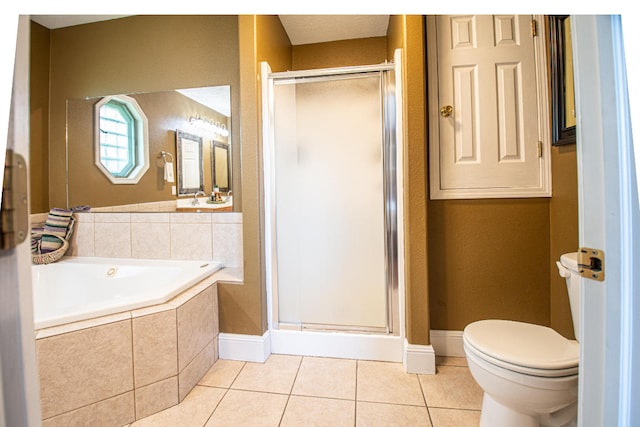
{"points": [[446, 111]]}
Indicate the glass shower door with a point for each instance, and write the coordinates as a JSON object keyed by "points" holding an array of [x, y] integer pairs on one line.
{"points": [[330, 202]]}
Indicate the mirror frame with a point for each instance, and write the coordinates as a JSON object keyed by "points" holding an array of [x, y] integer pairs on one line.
{"points": [[180, 136], [561, 135], [214, 145]]}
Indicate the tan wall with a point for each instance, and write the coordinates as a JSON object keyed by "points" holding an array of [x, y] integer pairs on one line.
{"points": [[165, 112], [243, 308], [149, 54], [343, 53], [39, 119], [407, 32], [488, 259], [563, 214]]}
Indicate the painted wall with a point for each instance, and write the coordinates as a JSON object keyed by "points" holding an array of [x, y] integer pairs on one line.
{"points": [[342, 53], [149, 54], [563, 223], [407, 32], [39, 118]]}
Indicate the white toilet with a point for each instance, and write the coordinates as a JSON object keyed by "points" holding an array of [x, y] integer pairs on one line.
{"points": [[529, 373]]}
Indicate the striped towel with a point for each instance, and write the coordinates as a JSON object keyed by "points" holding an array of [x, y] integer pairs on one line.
{"points": [[57, 224]]}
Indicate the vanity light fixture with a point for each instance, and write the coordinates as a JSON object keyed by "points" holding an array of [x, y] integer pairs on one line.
{"points": [[209, 126]]}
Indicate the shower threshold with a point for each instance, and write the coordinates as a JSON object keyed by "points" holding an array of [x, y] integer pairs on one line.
{"points": [[316, 327]]}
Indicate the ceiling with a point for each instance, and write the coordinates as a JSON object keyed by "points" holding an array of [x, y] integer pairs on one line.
{"points": [[301, 29]]}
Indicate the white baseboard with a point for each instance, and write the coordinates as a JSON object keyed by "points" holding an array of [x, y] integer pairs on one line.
{"points": [[419, 359], [337, 344], [248, 348], [447, 343]]}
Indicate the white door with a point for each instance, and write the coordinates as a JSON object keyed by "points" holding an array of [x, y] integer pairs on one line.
{"points": [[19, 374], [489, 139], [609, 220]]}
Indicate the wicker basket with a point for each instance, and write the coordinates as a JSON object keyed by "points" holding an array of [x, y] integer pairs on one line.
{"points": [[53, 256], [49, 257]]}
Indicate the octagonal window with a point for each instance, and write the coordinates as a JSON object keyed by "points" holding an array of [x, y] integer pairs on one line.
{"points": [[121, 140]]}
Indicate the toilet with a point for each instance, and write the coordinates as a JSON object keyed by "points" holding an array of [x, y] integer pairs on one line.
{"points": [[529, 373]]}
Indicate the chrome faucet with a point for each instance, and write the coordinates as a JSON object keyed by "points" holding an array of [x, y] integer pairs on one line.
{"points": [[195, 200]]}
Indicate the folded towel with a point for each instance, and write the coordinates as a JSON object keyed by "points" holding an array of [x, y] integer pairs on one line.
{"points": [[82, 208], [57, 224]]}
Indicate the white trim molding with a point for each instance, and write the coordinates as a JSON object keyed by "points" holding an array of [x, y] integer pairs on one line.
{"points": [[419, 359], [248, 348], [447, 343]]}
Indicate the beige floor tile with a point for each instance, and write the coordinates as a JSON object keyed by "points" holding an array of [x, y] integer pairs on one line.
{"points": [[454, 417], [451, 387], [325, 377], [247, 408], [386, 382], [382, 414], [451, 361], [276, 375], [194, 410], [222, 373], [316, 412]]}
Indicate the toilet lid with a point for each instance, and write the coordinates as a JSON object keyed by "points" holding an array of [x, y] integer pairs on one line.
{"points": [[524, 347]]}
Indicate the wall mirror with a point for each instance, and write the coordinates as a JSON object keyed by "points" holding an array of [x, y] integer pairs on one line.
{"points": [[200, 113], [221, 164], [190, 163], [562, 88]]}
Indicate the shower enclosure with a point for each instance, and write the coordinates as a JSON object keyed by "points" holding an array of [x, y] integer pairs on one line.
{"points": [[332, 204]]}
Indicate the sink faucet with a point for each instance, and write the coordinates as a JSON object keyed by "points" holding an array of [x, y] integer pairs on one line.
{"points": [[195, 200]]}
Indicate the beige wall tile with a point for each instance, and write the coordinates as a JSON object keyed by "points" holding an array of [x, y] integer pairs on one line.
{"points": [[196, 326], [276, 375], [227, 218], [155, 347], [194, 410], [314, 411], [122, 217], [148, 217], [116, 411], [386, 382], [222, 373], [190, 217], [82, 240], [195, 370], [246, 408], [113, 239], [156, 397], [383, 414], [451, 387], [324, 377], [84, 367], [191, 241], [151, 240], [227, 244]]}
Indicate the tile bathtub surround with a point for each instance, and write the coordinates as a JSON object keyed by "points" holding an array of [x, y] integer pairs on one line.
{"points": [[131, 367], [158, 235], [304, 391]]}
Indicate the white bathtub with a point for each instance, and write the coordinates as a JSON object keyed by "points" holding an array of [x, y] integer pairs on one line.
{"points": [[79, 288]]}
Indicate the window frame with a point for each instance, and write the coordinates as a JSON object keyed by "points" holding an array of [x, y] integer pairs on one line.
{"points": [[139, 146]]}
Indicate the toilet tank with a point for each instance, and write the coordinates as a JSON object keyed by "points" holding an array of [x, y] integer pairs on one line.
{"points": [[568, 268]]}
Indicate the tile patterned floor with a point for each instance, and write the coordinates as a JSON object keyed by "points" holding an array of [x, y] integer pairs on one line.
{"points": [[312, 391]]}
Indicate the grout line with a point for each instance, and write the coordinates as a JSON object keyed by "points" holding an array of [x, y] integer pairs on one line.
{"points": [[217, 405], [424, 398]]}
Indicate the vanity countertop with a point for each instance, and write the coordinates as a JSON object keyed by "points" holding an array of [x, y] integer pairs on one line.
{"points": [[184, 205]]}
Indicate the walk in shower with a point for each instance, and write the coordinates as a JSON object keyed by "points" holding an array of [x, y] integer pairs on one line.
{"points": [[332, 189]]}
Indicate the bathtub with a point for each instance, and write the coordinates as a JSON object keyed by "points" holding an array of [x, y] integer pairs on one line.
{"points": [[79, 288]]}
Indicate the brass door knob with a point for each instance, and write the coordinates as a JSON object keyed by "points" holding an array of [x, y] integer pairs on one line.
{"points": [[446, 111]]}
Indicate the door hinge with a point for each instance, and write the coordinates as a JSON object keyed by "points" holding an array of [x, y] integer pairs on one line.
{"points": [[14, 213], [534, 28], [591, 263], [539, 148]]}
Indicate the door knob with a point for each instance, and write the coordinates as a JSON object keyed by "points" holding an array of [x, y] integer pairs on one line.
{"points": [[446, 111]]}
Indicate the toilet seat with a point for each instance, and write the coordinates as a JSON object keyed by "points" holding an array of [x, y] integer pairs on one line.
{"points": [[523, 347]]}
